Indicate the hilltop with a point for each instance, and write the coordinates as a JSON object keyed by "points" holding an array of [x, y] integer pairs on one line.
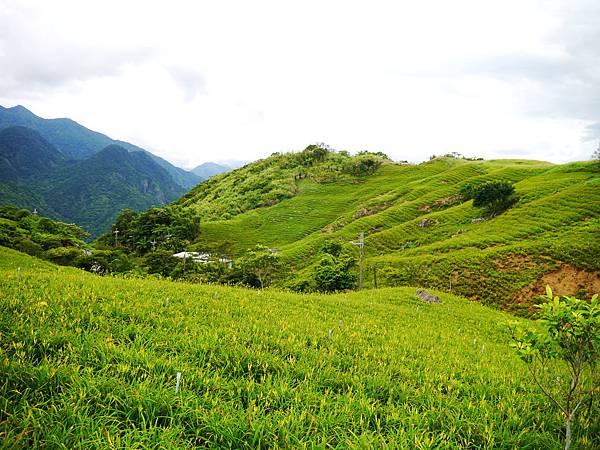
{"points": [[90, 361], [419, 230]]}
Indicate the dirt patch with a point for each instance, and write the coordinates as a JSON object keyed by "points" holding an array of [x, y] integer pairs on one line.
{"points": [[335, 226], [369, 210], [425, 223], [442, 203], [451, 200], [567, 280], [375, 230], [515, 263]]}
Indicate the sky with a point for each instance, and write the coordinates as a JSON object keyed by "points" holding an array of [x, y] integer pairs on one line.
{"points": [[197, 81]]}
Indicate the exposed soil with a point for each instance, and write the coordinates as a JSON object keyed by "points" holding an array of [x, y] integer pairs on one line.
{"points": [[442, 203], [369, 210], [515, 263], [567, 280]]}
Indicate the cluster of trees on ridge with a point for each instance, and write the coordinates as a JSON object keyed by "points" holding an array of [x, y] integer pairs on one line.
{"points": [[276, 178]]}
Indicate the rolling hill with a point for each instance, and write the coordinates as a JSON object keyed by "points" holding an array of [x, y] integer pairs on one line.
{"points": [[418, 230]]}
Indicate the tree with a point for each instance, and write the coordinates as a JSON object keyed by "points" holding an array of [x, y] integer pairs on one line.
{"points": [[596, 155], [495, 196], [332, 247], [161, 262], [259, 266], [571, 335], [335, 273]]}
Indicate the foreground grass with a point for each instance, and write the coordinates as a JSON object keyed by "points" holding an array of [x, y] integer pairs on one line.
{"points": [[87, 361]]}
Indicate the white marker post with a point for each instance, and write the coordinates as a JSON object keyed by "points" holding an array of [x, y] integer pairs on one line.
{"points": [[177, 383]]}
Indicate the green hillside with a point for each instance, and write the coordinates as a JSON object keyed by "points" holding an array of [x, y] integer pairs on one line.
{"points": [[550, 235], [89, 361]]}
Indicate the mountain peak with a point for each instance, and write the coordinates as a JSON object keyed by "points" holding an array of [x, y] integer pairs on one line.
{"points": [[208, 169], [18, 108]]}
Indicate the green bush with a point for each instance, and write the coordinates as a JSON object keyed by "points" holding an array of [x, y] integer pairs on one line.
{"points": [[334, 274], [161, 262], [495, 196], [65, 256], [570, 335]]}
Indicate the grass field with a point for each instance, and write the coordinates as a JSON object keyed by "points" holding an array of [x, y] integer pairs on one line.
{"points": [[553, 227], [87, 361]]}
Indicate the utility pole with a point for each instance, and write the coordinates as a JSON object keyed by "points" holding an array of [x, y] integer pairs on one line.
{"points": [[374, 277], [116, 233], [153, 242], [361, 246]]}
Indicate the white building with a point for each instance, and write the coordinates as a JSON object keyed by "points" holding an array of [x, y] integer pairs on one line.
{"points": [[203, 258]]}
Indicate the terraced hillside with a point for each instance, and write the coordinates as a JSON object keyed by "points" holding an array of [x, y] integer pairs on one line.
{"points": [[419, 232], [91, 362]]}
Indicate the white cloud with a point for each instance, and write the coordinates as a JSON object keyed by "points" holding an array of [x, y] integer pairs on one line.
{"points": [[199, 81]]}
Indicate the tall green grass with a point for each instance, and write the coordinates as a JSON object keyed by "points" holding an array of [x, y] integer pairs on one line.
{"points": [[87, 361]]}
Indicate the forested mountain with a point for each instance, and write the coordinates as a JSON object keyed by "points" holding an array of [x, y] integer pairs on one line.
{"points": [[78, 142], [24, 154], [93, 191], [90, 192]]}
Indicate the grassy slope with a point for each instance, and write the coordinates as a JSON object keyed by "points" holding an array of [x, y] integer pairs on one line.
{"points": [[87, 361], [555, 222]]}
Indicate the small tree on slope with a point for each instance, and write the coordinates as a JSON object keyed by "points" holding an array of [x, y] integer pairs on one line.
{"points": [[496, 196], [571, 335]]}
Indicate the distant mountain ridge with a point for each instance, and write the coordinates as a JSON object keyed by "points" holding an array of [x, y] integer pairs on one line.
{"points": [[90, 192], [93, 191], [78, 142], [209, 169]]}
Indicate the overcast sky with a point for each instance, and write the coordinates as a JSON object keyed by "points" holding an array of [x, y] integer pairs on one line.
{"points": [[209, 81]]}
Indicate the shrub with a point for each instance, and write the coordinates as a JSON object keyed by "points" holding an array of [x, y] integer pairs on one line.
{"points": [[495, 196], [161, 262], [334, 274], [571, 335], [64, 256], [259, 266]]}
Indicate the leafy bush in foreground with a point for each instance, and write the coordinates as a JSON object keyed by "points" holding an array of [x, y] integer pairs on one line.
{"points": [[571, 335]]}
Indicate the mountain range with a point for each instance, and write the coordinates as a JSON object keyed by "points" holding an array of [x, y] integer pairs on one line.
{"points": [[68, 172]]}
